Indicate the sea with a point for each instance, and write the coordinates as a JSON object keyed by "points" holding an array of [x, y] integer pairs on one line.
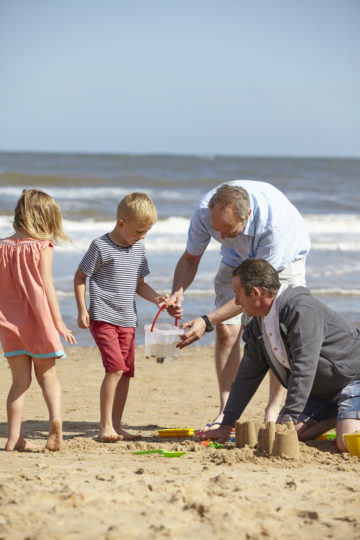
{"points": [[88, 188]]}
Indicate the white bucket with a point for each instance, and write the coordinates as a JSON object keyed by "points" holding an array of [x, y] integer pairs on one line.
{"points": [[160, 343]]}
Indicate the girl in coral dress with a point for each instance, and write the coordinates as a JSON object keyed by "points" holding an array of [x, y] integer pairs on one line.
{"points": [[30, 318]]}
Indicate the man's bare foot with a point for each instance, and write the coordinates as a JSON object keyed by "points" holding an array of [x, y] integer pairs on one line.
{"points": [[54, 441], [126, 436], [108, 434], [21, 446]]}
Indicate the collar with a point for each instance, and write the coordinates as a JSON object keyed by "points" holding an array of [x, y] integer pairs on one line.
{"points": [[275, 305]]}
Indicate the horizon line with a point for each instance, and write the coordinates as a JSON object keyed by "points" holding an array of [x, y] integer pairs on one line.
{"points": [[208, 155]]}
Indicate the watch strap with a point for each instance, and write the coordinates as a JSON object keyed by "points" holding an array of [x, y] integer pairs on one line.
{"points": [[209, 327]]}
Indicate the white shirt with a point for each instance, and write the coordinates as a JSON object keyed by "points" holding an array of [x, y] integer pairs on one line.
{"points": [[271, 329], [275, 230]]}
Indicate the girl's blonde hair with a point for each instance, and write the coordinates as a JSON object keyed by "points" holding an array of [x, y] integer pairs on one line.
{"points": [[139, 206], [38, 216]]}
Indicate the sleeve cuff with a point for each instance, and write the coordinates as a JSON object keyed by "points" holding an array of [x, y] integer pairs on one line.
{"points": [[229, 420]]}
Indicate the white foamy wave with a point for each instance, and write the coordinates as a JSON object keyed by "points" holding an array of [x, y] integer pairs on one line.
{"points": [[208, 291], [333, 223], [88, 225], [99, 193], [333, 245], [171, 225], [328, 233], [336, 292], [6, 224]]}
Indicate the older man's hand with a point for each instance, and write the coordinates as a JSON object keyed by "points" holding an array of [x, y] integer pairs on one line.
{"points": [[195, 332], [221, 435]]}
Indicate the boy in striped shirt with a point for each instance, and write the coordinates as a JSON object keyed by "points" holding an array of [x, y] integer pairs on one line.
{"points": [[116, 266]]}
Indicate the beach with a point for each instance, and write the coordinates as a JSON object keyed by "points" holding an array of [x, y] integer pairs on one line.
{"points": [[91, 490]]}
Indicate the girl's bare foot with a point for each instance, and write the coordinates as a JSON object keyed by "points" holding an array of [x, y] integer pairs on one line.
{"points": [[54, 441], [126, 436], [108, 434], [21, 445]]}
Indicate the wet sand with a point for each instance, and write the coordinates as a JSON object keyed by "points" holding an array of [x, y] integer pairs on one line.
{"points": [[91, 490]]}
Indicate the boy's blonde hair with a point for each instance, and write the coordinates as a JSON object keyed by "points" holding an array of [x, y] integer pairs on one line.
{"points": [[38, 216], [138, 206]]}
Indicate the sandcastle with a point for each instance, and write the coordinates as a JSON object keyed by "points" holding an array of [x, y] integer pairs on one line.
{"points": [[273, 439]]}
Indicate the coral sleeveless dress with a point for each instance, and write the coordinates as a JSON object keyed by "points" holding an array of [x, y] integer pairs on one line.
{"points": [[26, 324]]}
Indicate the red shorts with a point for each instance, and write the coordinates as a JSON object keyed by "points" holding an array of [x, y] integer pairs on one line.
{"points": [[116, 345]]}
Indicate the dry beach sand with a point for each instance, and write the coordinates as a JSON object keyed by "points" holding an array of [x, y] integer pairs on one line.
{"points": [[93, 490]]}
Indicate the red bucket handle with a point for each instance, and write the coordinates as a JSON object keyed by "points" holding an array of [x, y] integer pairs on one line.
{"points": [[156, 316]]}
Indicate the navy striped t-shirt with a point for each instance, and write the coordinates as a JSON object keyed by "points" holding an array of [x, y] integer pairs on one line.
{"points": [[114, 273]]}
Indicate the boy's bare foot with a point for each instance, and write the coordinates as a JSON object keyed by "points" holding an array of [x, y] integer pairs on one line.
{"points": [[108, 434], [21, 446], [126, 436], [54, 441]]}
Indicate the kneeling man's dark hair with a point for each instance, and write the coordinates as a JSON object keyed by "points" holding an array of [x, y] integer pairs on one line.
{"points": [[257, 273]]}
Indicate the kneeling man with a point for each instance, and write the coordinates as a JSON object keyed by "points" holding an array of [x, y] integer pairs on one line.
{"points": [[313, 352]]}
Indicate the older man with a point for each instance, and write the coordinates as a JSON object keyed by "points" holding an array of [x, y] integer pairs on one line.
{"points": [[248, 219], [313, 351]]}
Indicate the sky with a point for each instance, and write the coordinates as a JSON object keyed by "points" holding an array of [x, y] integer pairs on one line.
{"points": [[230, 77]]}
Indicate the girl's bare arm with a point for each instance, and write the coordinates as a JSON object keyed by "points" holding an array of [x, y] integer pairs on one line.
{"points": [[45, 268]]}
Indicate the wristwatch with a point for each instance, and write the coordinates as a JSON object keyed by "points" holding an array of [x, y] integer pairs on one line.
{"points": [[286, 418], [209, 327]]}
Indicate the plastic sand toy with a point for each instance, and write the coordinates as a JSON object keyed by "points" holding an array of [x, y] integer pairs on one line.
{"points": [[326, 437], [160, 341], [164, 453], [211, 444], [181, 432], [352, 441]]}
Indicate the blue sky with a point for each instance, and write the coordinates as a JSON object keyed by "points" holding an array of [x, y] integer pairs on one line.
{"points": [[255, 77]]}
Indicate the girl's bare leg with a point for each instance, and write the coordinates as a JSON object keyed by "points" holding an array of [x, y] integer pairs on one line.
{"points": [[121, 394], [46, 376], [21, 379], [108, 389]]}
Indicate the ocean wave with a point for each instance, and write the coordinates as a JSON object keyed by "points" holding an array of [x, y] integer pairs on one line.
{"points": [[328, 233], [335, 292], [100, 193], [210, 292], [335, 245], [332, 223]]}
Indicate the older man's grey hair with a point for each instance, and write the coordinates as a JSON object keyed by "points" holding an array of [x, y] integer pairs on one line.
{"points": [[234, 197]]}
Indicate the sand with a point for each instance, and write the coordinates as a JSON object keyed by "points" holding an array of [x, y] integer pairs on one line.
{"points": [[95, 490]]}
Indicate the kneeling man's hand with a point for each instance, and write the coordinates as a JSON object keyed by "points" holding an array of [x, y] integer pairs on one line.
{"points": [[221, 435]]}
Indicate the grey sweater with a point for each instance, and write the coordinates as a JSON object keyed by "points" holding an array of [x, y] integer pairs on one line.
{"points": [[323, 351]]}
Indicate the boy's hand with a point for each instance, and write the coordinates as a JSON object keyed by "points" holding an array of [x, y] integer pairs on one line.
{"points": [[84, 320], [163, 301]]}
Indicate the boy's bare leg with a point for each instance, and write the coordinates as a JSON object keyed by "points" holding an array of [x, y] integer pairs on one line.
{"points": [[348, 425], [21, 379], [118, 409], [49, 383], [108, 390], [276, 391]]}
